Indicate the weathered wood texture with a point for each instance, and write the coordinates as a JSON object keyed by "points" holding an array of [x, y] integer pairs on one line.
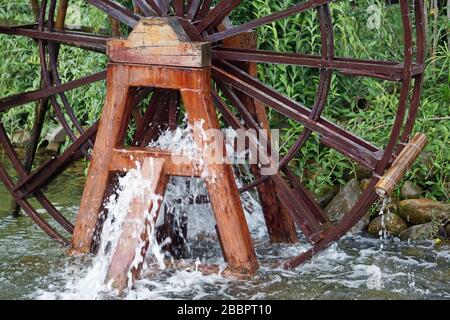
{"points": [[160, 41], [135, 238], [195, 87], [110, 135], [402, 163]]}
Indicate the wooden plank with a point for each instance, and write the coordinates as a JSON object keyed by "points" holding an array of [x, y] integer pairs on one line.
{"points": [[125, 264], [164, 77], [160, 41], [111, 131], [176, 165]]}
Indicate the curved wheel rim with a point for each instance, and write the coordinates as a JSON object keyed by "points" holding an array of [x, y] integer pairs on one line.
{"points": [[199, 14]]}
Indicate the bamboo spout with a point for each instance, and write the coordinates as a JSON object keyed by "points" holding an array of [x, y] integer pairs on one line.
{"points": [[405, 159]]}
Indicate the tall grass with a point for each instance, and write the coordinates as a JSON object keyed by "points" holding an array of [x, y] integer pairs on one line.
{"points": [[363, 105]]}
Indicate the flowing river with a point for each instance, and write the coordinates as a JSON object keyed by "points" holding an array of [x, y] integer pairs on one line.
{"points": [[32, 266]]}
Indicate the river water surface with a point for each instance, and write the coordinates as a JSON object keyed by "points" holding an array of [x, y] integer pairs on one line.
{"points": [[32, 266]]}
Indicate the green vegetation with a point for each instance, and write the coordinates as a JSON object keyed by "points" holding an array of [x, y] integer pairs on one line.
{"points": [[364, 106]]}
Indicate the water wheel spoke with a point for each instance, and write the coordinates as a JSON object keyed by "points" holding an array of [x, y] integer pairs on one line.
{"points": [[296, 206], [336, 232], [30, 211], [387, 70], [21, 170], [229, 116], [217, 14], [53, 167], [308, 217], [27, 97], [146, 8], [179, 7], [204, 10], [141, 94], [174, 109], [266, 20], [237, 103], [194, 9], [147, 130], [164, 7], [154, 5], [116, 10], [87, 41], [306, 196], [331, 135]]}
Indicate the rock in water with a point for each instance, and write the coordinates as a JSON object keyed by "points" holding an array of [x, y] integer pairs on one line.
{"points": [[419, 232], [324, 197], [57, 134], [343, 202], [391, 222], [364, 184], [447, 230], [362, 172], [420, 211], [55, 137], [411, 190]]}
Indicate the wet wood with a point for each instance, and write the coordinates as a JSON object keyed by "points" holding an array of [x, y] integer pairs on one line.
{"points": [[195, 87], [113, 124], [280, 225], [115, 27], [35, 8], [225, 200], [41, 107], [176, 165], [129, 254], [402, 163]]}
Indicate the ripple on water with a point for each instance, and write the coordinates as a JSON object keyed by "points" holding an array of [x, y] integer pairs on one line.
{"points": [[33, 266]]}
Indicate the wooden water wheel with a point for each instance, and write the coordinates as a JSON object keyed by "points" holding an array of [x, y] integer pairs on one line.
{"points": [[234, 83]]}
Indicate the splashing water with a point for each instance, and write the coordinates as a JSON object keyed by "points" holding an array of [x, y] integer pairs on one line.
{"points": [[351, 267], [383, 231], [180, 196], [129, 188]]}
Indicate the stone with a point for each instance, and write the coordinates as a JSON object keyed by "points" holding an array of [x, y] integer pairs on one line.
{"points": [[418, 232], [343, 202], [443, 245], [57, 134], [420, 211], [364, 184], [325, 195], [55, 137], [358, 171], [411, 190], [447, 230], [53, 147], [390, 222], [362, 172], [426, 164], [427, 159]]}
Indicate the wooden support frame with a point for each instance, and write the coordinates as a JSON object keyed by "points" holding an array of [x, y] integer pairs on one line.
{"points": [[193, 83]]}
